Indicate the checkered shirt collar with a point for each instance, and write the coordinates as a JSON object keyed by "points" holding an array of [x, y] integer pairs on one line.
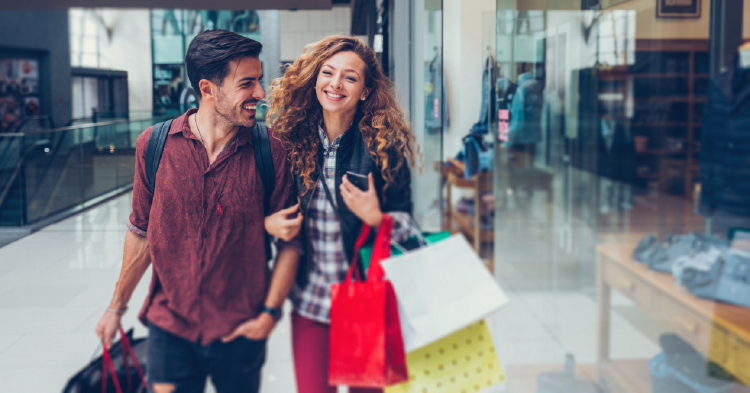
{"points": [[324, 137]]}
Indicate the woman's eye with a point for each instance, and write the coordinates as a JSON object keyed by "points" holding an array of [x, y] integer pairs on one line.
{"points": [[327, 72], [351, 79]]}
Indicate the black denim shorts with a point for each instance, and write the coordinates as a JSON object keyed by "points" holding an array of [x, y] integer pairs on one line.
{"points": [[233, 367]]}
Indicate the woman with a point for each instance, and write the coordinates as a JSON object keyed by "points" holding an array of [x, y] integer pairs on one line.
{"points": [[336, 111]]}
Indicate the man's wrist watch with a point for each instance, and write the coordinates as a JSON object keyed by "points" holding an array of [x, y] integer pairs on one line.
{"points": [[275, 313]]}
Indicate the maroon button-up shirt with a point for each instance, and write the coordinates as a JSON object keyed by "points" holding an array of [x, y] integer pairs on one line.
{"points": [[209, 266]]}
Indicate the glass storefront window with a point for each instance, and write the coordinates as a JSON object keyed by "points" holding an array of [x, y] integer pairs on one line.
{"points": [[615, 207], [171, 33], [429, 115]]}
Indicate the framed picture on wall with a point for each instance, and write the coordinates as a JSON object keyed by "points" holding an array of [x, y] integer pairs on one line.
{"points": [[678, 8]]}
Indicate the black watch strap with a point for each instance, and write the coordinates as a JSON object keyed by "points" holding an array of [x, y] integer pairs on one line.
{"points": [[275, 313]]}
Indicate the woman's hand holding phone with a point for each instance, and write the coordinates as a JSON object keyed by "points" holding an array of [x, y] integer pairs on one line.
{"points": [[364, 204], [282, 226]]}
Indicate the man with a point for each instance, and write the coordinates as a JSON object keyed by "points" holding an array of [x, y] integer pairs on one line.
{"points": [[211, 306]]}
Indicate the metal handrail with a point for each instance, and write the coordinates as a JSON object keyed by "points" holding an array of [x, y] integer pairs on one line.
{"points": [[28, 142], [79, 126]]}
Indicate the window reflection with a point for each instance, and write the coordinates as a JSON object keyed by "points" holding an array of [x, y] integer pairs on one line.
{"points": [[612, 127]]}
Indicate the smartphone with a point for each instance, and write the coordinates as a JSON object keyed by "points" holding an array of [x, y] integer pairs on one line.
{"points": [[360, 181]]}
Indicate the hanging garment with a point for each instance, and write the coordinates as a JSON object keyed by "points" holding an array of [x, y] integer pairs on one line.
{"points": [[526, 111], [488, 93], [725, 145], [506, 90]]}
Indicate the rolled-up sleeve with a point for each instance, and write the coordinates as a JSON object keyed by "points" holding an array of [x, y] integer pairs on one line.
{"points": [[142, 196]]}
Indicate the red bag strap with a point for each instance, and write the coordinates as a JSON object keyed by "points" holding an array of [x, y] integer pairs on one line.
{"points": [[108, 365], [381, 249], [364, 233], [127, 350]]}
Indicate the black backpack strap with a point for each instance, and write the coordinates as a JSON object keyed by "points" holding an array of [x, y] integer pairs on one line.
{"points": [[264, 162], [155, 148]]}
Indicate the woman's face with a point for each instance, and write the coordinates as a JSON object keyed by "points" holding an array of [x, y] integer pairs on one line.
{"points": [[341, 83]]}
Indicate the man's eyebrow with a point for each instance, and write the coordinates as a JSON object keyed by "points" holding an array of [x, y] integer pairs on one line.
{"points": [[249, 79]]}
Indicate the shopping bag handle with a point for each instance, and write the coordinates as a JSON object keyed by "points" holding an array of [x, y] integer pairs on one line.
{"points": [[380, 250], [108, 366], [127, 350]]}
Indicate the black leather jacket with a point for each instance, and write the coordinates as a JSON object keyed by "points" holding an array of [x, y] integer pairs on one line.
{"points": [[352, 155]]}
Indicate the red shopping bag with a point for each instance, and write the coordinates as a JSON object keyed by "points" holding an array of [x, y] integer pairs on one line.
{"points": [[366, 346]]}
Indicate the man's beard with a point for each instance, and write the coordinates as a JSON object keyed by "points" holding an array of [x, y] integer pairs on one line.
{"points": [[226, 112]]}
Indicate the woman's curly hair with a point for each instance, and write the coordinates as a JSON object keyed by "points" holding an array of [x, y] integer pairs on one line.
{"points": [[294, 113]]}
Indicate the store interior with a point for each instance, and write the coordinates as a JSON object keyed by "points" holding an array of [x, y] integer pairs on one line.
{"points": [[595, 154], [597, 158]]}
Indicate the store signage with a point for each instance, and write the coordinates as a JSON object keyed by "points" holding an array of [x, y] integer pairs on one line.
{"points": [[503, 123], [19, 91]]}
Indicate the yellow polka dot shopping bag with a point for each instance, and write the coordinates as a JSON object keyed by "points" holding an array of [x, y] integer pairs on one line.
{"points": [[462, 362]]}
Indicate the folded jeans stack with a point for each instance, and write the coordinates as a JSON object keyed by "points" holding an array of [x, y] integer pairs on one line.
{"points": [[662, 256], [704, 264], [727, 280]]}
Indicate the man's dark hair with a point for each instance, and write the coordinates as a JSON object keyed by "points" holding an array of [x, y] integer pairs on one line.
{"points": [[210, 52]]}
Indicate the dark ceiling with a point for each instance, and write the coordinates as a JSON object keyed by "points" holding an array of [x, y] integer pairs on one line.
{"points": [[180, 4]]}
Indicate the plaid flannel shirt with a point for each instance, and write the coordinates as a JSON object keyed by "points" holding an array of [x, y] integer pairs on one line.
{"points": [[329, 262]]}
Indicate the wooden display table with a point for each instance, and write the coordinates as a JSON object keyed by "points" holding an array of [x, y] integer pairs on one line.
{"points": [[469, 225], [721, 331]]}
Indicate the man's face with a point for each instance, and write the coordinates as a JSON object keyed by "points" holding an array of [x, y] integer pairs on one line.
{"points": [[237, 97]]}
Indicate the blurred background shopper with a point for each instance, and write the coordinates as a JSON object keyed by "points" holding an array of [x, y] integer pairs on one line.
{"points": [[337, 113], [210, 307]]}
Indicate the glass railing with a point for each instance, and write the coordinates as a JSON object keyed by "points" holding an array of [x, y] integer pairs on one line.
{"points": [[44, 173], [107, 116]]}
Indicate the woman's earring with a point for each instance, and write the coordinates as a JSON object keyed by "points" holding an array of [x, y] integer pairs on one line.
{"points": [[363, 98]]}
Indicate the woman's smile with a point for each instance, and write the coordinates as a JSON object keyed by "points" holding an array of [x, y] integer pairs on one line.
{"points": [[333, 96]]}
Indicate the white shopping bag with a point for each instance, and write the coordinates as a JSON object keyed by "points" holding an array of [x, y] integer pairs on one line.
{"points": [[441, 288]]}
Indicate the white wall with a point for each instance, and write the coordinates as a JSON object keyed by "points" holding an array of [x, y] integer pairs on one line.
{"points": [[463, 58], [128, 48], [299, 28]]}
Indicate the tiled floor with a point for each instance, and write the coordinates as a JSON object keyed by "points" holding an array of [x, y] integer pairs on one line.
{"points": [[55, 284]]}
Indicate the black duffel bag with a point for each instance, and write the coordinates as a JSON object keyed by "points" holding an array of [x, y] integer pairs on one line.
{"points": [[127, 359]]}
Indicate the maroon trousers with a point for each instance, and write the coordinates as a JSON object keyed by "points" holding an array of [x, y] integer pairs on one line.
{"points": [[310, 348]]}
